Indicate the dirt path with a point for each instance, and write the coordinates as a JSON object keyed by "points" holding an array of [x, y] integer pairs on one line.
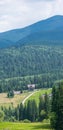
{"points": [[28, 97]]}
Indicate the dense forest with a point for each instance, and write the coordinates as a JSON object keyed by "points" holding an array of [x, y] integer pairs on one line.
{"points": [[30, 60], [22, 65]]}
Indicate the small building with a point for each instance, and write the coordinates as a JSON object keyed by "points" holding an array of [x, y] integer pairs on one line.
{"points": [[17, 92], [31, 87]]}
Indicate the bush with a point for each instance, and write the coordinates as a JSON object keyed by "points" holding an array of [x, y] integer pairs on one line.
{"points": [[10, 94], [53, 119], [46, 121], [12, 119], [1, 115], [26, 121], [43, 115]]}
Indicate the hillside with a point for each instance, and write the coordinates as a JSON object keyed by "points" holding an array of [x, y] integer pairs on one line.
{"points": [[35, 51], [50, 29], [30, 60]]}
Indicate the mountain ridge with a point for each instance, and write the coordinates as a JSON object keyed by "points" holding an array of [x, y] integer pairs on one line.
{"points": [[49, 29]]}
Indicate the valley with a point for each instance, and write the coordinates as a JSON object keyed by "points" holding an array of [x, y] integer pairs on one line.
{"points": [[32, 56], [40, 65]]}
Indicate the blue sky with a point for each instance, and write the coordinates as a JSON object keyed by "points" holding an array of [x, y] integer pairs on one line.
{"points": [[20, 13]]}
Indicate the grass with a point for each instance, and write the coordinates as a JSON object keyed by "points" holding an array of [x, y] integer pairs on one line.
{"points": [[4, 101], [24, 126], [38, 93], [17, 99]]}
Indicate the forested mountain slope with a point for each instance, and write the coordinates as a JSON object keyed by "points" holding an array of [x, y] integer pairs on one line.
{"points": [[36, 50], [50, 29], [30, 60]]}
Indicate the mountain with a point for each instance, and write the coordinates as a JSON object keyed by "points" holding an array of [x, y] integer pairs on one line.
{"points": [[47, 30], [27, 55], [30, 64]]}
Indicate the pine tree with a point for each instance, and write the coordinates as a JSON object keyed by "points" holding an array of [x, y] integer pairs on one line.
{"points": [[59, 112], [21, 112], [25, 112], [17, 113], [54, 99], [10, 94], [34, 110], [46, 104], [29, 110], [57, 108], [41, 104]]}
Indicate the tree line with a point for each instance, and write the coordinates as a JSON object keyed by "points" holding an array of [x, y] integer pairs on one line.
{"points": [[20, 83]]}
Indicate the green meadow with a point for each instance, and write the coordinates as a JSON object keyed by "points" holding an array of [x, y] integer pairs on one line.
{"points": [[17, 99], [38, 93], [24, 126]]}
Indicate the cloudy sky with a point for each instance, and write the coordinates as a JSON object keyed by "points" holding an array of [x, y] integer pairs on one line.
{"points": [[20, 13]]}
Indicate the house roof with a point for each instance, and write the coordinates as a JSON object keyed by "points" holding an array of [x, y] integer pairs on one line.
{"points": [[31, 85]]}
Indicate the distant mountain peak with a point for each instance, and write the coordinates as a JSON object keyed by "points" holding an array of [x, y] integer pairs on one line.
{"points": [[50, 29]]}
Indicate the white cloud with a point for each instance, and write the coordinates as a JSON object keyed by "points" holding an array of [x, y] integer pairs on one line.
{"points": [[19, 13]]}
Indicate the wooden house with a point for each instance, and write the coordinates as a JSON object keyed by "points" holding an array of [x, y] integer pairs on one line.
{"points": [[31, 87]]}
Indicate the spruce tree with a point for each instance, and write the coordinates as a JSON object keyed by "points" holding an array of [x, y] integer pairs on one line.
{"points": [[59, 112], [46, 104], [21, 112], [34, 110], [57, 108], [29, 110], [41, 104], [25, 112], [17, 113]]}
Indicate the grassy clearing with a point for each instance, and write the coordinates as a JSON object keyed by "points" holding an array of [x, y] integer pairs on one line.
{"points": [[24, 126], [17, 99], [4, 101], [38, 93]]}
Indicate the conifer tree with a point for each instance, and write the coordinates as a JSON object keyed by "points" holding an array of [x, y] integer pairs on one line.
{"points": [[57, 108], [21, 112], [46, 103], [41, 104]]}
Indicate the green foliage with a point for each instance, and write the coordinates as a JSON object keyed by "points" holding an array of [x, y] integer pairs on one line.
{"points": [[39, 94], [57, 108], [41, 103], [32, 110], [21, 109], [17, 113], [9, 114], [10, 94], [1, 115], [44, 107], [46, 104], [26, 121], [42, 115], [53, 118], [20, 83]]}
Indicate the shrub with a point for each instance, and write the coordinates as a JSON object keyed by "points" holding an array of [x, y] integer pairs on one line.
{"points": [[1, 115], [26, 121], [10, 94]]}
